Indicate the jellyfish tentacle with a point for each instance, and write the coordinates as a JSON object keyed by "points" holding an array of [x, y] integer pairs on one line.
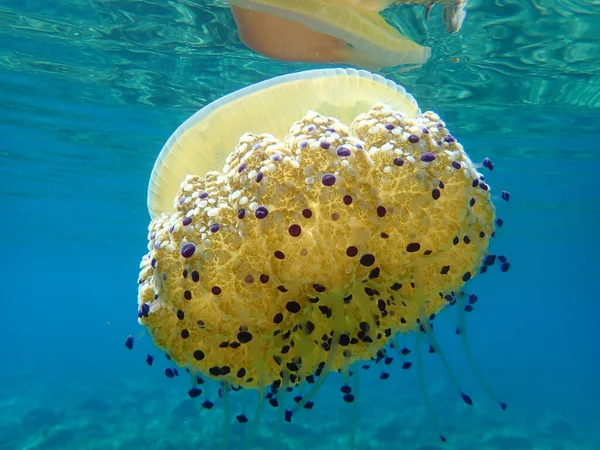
{"points": [[281, 397], [422, 387], [226, 415], [354, 418], [260, 405], [426, 328], [436, 346], [462, 331], [338, 327], [326, 369]]}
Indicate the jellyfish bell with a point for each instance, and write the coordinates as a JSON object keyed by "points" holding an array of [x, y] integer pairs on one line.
{"points": [[299, 225], [204, 141], [340, 31], [325, 31], [286, 40]]}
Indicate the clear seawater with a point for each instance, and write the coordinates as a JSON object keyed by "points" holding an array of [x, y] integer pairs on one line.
{"points": [[89, 92]]}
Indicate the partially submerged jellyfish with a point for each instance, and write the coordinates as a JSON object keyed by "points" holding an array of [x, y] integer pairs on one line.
{"points": [[303, 223], [341, 31]]}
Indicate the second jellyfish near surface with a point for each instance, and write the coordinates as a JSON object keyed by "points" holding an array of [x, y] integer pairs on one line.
{"points": [[335, 31]]}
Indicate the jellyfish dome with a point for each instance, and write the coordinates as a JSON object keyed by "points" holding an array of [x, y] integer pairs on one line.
{"points": [[342, 31], [301, 223]]}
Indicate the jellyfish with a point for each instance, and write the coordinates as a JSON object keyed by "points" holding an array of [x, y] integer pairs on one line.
{"points": [[300, 225], [342, 31]]}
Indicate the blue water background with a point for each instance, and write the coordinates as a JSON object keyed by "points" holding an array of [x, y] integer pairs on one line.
{"points": [[73, 178]]}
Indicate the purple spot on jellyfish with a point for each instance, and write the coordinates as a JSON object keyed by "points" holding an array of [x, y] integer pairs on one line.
{"points": [[427, 157], [194, 392], [295, 230], [488, 164], [261, 212], [328, 179], [343, 152], [489, 260], [188, 250], [367, 260]]}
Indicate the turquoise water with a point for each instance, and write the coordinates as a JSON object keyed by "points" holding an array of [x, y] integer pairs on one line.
{"points": [[89, 93]]}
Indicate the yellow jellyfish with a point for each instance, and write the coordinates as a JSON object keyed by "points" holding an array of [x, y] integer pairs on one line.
{"points": [[299, 224], [337, 31]]}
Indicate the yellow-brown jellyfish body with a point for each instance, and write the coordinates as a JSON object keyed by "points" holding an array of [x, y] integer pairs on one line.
{"points": [[336, 31], [301, 223]]}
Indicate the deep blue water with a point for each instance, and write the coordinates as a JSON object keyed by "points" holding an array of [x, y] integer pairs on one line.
{"points": [[74, 169]]}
